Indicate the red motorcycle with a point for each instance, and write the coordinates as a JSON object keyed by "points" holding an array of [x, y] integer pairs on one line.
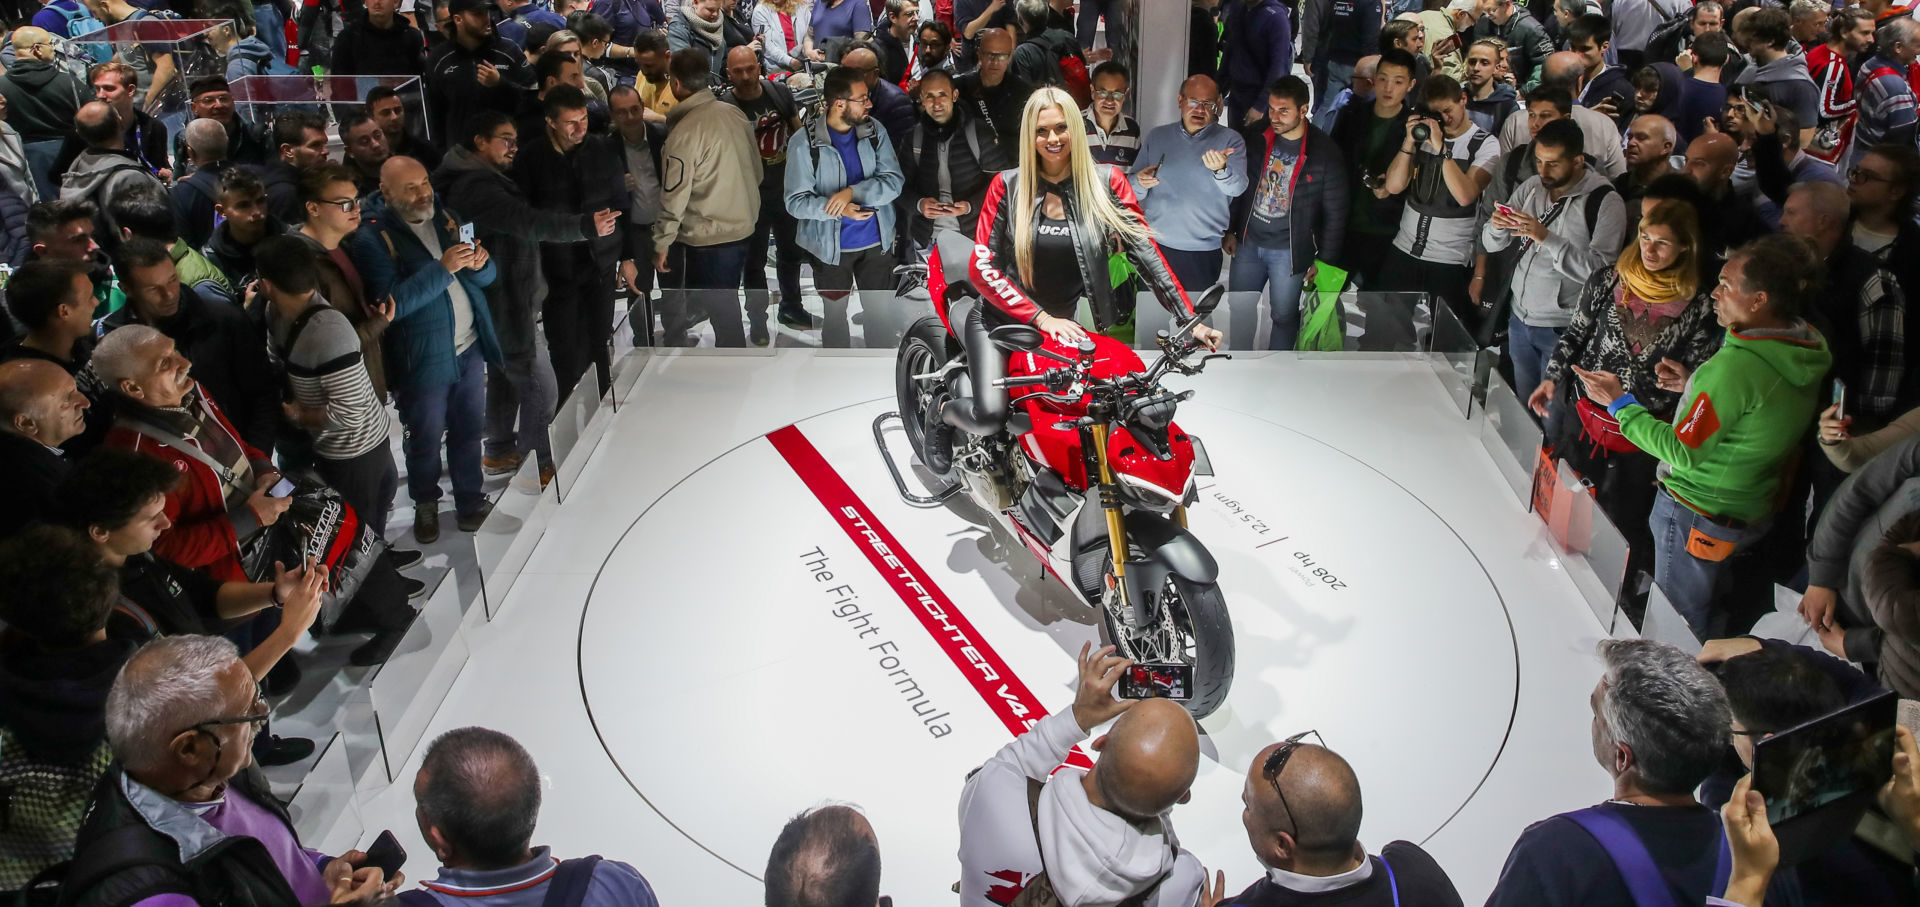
{"points": [[1089, 472]]}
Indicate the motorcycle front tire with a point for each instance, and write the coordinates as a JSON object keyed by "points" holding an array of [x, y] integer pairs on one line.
{"points": [[1202, 612]]}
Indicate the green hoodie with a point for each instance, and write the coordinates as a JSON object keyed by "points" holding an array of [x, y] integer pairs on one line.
{"points": [[1740, 419]]}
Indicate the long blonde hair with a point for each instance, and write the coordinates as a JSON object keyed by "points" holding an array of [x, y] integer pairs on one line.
{"points": [[1097, 206]]}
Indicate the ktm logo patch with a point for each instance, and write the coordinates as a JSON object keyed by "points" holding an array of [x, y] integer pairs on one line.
{"points": [[1700, 424]]}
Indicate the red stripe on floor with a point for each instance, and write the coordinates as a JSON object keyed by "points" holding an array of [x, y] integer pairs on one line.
{"points": [[996, 683]]}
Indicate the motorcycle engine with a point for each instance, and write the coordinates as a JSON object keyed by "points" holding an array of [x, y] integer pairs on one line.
{"points": [[983, 466]]}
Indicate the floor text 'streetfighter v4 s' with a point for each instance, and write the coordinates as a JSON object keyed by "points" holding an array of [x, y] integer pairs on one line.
{"points": [[1088, 471]]}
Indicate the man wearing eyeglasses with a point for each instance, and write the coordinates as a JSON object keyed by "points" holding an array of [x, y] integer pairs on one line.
{"points": [[842, 178], [181, 717], [1112, 136], [993, 91], [1109, 830], [1302, 814], [1187, 177]]}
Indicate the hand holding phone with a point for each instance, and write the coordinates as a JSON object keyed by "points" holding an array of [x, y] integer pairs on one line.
{"points": [[1840, 399], [1157, 681], [466, 233], [386, 854], [281, 488], [1503, 209]]}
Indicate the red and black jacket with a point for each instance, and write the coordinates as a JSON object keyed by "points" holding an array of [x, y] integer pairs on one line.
{"points": [[991, 266], [1320, 195]]}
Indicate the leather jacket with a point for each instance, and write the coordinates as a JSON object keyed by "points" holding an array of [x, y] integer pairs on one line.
{"points": [[992, 269]]}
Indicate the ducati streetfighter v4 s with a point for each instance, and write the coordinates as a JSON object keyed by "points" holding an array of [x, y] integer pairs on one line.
{"points": [[1089, 470]]}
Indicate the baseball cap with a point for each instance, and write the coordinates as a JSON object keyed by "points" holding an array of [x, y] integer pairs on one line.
{"points": [[466, 6], [1462, 6]]}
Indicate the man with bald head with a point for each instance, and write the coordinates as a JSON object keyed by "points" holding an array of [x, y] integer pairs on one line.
{"points": [[1710, 162], [1302, 815], [1649, 154], [1098, 838], [992, 90], [41, 101], [477, 798], [195, 197], [1860, 309], [770, 107], [1186, 177], [440, 341], [1600, 135], [891, 107], [106, 170], [41, 408], [826, 855]]}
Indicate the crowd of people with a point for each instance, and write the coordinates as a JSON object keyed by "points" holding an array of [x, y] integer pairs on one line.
{"points": [[1685, 230]]}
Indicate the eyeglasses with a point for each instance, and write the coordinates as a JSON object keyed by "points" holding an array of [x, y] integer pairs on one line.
{"points": [[1277, 763], [1858, 175], [1110, 95], [1199, 104], [996, 58], [347, 205], [259, 721], [508, 140]]}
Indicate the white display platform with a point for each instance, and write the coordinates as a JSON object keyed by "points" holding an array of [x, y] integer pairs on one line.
{"points": [[675, 667]]}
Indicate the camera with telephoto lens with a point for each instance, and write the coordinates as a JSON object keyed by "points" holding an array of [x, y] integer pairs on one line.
{"points": [[1421, 133]]}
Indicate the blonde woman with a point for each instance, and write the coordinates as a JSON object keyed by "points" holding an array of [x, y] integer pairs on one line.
{"points": [[782, 26], [1046, 230]]}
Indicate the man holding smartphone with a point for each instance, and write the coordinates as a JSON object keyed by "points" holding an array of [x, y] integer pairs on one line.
{"points": [[842, 178]]}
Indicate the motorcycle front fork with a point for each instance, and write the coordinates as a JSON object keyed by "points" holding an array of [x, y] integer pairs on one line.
{"points": [[1116, 524]]}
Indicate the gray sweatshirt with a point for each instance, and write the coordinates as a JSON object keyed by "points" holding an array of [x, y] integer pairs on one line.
{"points": [[1548, 277]]}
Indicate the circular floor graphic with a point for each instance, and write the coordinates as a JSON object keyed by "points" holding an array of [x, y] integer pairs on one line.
{"points": [[742, 660]]}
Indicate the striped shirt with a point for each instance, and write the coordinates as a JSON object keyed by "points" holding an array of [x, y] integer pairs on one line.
{"points": [[325, 370], [1119, 147]]}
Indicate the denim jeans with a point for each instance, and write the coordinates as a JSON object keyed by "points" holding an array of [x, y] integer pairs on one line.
{"points": [[456, 412], [1196, 271], [711, 276], [1530, 348], [1687, 580], [522, 392], [1255, 269]]}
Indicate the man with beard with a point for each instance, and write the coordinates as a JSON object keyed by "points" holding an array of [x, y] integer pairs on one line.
{"points": [[947, 159], [408, 247], [654, 82], [842, 178], [993, 92], [301, 138], [474, 69], [769, 105], [562, 169], [384, 105], [366, 146]]}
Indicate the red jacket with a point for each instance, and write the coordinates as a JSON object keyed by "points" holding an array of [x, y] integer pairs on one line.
{"points": [[203, 536]]}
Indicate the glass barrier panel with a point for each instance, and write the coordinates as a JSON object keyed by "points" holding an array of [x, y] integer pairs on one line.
{"points": [[1454, 357], [1665, 624], [877, 321], [1607, 554], [1561, 501], [626, 373], [325, 811], [506, 540], [259, 97], [739, 322], [143, 44], [1511, 438], [360, 733], [408, 689], [569, 423]]}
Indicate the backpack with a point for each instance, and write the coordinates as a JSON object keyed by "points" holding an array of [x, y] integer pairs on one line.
{"points": [[80, 21], [1067, 70], [1039, 889], [41, 806], [918, 136], [814, 143]]}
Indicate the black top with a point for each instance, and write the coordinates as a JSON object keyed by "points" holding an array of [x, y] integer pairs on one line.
{"points": [[145, 136], [1057, 284], [162, 597], [1556, 862], [590, 177], [1001, 105], [33, 473], [56, 702], [362, 49], [1420, 880]]}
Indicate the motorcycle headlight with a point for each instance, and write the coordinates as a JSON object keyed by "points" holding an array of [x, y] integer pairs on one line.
{"points": [[1147, 496]]}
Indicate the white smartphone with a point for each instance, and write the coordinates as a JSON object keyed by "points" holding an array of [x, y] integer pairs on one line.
{"points": [[466, 234]]}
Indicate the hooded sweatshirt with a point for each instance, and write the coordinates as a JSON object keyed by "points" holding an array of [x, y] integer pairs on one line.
{"points": [[250, 57], [1788, 85], [1741, 416], [41, 100], [102, 174], [1549, 275], [1092, 857], [1490, 112]]}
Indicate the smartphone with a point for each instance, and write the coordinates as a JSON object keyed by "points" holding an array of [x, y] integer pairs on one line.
{"points": [[281, 488], [1503, 209], [1157, 681], [387, 854], [466, 234], [1827, 759], [1840, 398]]}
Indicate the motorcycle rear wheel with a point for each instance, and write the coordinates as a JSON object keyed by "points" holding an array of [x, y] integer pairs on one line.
{"points": [[926, 349], [1196, 616]]}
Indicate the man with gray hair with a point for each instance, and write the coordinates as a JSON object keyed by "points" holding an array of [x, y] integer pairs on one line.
{"points": [[477, 798], [195, 196], [1660, 727], [1882, 95], [182, 808]]}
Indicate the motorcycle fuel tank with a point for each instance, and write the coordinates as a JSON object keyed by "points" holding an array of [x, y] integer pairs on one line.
{"points": [[1055, 442]]}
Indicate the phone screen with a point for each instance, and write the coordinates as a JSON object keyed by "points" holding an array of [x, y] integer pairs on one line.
{"points": [[1826, 759], [1840, 398], [281, 488], [1157, 681], [466, 234], [387, 854], [1503, 209]]}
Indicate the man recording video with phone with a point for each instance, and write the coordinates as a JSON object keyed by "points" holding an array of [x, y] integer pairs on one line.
{"points": [[1106, 831]]}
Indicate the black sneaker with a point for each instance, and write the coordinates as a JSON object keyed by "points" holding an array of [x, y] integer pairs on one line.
{"points": [[415, 588], [282, 678], [796, 318], [426, 523], [757, 332], [377, 649], [405, 558], [285, 751], [470, 522]]}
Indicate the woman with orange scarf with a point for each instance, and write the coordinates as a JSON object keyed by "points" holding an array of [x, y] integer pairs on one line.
{"points": [[1647, 319]]}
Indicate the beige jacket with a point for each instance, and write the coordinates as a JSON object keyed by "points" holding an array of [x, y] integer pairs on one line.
{"points": [[709, 175]]}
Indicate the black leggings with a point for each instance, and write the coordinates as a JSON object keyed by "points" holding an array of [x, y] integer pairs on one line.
{"points": [[985, 411]]}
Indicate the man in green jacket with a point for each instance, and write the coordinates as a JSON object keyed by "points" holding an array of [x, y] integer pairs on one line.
{"points": [[1727, 455]]}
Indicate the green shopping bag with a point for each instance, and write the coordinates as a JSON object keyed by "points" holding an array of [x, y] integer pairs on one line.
{"points": [[1321, 329]]}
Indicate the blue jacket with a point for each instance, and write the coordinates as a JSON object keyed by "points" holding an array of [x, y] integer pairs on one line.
{"points": [[1259, 46], [815, 172], [418, 346]]}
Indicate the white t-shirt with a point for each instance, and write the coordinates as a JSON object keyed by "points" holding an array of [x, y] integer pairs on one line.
{"points": [[1449, 240], [1870, 241], [463, 335]]}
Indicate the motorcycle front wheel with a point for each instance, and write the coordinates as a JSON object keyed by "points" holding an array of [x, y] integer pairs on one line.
{"points": [[926, 350], [1194, 628]]}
